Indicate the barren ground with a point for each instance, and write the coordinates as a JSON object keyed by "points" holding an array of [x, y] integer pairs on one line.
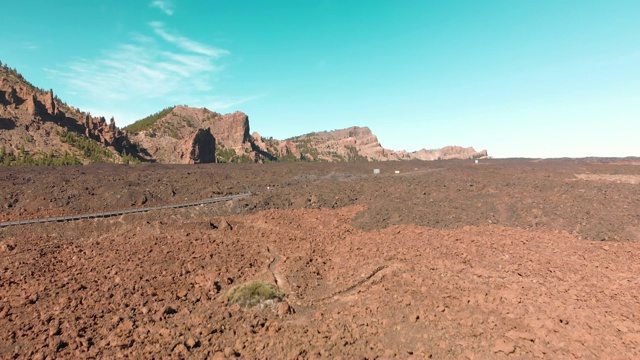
{"points": [[447, 259]]}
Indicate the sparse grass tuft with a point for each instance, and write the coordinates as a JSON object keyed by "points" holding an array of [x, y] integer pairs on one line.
{"points": [[253, 293]]}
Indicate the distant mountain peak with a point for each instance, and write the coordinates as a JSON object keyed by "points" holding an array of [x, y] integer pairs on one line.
{"points": [[360, 144]]}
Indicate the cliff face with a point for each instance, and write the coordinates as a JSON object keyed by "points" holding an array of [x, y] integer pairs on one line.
{"points": [[360, 144], [35, 121], [449, 152], [182, 130]]}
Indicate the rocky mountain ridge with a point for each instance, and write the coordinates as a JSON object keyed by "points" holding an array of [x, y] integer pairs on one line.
{"points": [[360, 144], [35, 124], [36, 127], [169, 138]]}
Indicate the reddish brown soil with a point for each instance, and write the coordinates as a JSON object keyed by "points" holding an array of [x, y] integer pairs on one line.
{"points": [[445, 259]]}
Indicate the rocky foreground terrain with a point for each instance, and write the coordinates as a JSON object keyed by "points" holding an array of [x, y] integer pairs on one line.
{"points": [[446, 259]]}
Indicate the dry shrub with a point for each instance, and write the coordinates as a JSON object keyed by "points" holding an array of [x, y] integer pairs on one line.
{"points": [[253, 293]]}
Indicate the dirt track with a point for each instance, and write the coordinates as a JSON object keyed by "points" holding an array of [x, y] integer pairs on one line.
{"points": [[445, 259]]}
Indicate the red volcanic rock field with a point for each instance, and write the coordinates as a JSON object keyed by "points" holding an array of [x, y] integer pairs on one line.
{"points": [[446, 259]]}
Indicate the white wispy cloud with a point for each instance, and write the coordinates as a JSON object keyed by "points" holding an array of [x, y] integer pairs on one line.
{"points": [[227, 103], [164, 5], [186, 43], [161, 66]]}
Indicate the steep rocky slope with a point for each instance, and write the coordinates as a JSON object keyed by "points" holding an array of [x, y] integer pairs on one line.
{"points": [[36, 126]]}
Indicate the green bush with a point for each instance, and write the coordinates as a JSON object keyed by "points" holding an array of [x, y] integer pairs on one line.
{"points": [[129, 159], [225, 155], [244, 159], [287, 158], [253, 293]]}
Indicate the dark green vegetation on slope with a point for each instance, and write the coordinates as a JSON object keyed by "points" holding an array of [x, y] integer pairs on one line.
{"points": [[148, 122], [24, 158]]}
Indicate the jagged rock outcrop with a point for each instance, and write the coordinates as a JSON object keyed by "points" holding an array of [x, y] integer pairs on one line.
{"points": [[35, 121], [34, 102], [10, 96], [276, 149], [31, 105], [105, 133], [288, 148], [168, 133], [50, 104], [200, 148], [259, 142]]}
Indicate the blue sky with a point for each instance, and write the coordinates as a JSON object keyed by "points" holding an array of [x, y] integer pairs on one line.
{"points": [[521, 78]]}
